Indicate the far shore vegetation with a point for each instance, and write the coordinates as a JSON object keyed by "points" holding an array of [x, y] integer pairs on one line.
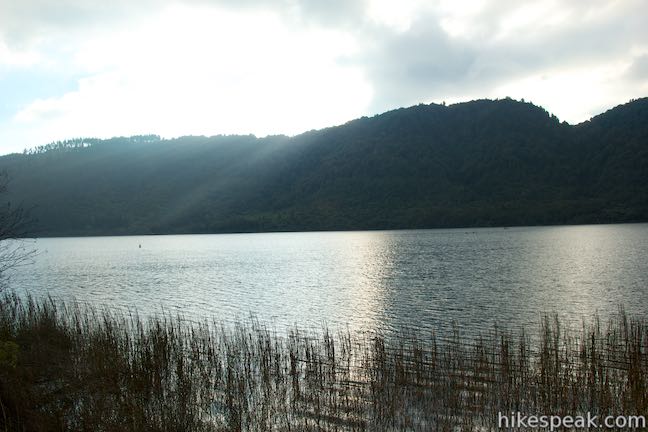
{"points": [[473, 164], [71, 367]]}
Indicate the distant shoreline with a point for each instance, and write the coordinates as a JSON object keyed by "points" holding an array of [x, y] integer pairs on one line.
{"points": [[485, 163], [457, 228]]}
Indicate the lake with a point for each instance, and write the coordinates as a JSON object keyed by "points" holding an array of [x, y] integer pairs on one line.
{"points": [[368, 280]]}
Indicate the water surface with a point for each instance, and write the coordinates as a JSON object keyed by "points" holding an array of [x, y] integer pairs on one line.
{"points": [[369, 280]]}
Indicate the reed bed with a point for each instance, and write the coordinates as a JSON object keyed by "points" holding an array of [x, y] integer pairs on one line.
{"points": [[68, 367]]}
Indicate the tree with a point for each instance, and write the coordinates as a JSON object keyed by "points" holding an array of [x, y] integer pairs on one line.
{"points": [[14, 223]]}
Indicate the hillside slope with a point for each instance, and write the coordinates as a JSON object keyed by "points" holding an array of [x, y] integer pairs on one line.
{"points": [[479, 163]]}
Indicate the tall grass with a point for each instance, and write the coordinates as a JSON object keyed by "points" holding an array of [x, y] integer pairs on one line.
{"points": [[69, 367]]}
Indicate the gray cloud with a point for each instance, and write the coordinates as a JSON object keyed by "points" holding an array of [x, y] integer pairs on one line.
{"points": [[422, 63], [332, 13], [22, 22], [638, 70], [425, 63]]}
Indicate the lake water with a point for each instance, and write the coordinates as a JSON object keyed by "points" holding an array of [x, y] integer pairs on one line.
{"points": [[425, 279]]}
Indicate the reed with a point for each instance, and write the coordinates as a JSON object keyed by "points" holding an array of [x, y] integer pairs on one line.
{"points": [[64, 366]]}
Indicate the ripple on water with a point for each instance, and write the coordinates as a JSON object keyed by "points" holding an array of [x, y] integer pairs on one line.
{"points": [[426, 279]]}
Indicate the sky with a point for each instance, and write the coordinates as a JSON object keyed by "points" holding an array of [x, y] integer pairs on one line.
{"points": [[93, 68]]}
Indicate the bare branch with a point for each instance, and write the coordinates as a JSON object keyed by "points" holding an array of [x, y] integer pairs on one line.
{"points": [[14, 224]]}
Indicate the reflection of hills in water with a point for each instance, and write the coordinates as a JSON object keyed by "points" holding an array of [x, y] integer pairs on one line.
{"points": [[479, 163], [380, 280]]}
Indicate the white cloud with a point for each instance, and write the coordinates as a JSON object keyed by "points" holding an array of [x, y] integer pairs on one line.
{"points": [[470, 49], [206, 71], [17, 58], [395, 15], [177, 67], [582, 92], [532, 20]]}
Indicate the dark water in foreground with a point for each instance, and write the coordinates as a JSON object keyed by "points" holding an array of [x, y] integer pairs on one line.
{"points": [[424, 279]]}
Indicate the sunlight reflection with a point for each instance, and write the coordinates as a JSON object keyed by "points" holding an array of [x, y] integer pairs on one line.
{"points": [[364, 281]]}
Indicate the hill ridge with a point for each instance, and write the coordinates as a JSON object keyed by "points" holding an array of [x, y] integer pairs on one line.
{"points": [[479, 163]]}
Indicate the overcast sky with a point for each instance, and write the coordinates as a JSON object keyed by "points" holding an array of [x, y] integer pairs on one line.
{"points": [[97, 68]]}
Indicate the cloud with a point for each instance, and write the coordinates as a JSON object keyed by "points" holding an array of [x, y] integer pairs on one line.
{"points": [[280, 66], [25, 22], [638, 70], [450, 53], [28, 22], [17, 58], [205, 71], [419, 63]]}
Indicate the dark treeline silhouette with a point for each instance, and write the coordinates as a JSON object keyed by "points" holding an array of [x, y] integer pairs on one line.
{"points": [[77, 143], [480, 163]]}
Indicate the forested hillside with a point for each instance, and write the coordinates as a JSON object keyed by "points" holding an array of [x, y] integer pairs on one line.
{"points": [[479, 163]]}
